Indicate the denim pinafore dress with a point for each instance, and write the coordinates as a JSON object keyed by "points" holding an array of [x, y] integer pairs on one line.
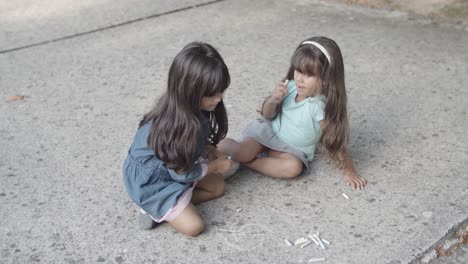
{"points": [[149, 183]]}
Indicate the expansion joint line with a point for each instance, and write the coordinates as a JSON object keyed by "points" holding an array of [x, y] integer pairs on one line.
{"points": [[109, 27]]}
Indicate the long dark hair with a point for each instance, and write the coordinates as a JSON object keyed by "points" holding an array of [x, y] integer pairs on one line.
{"points": [[197, 71], [309, 59]]}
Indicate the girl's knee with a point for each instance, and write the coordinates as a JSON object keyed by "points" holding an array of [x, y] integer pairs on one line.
{"points": [[188, 222], [193, 229], [247, 157], [248, 151], [224, 145], [293, 169], [219, 189]]}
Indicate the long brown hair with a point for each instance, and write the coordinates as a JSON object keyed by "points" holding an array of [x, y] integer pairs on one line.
{"points": [[309, 59], [197, 71]]}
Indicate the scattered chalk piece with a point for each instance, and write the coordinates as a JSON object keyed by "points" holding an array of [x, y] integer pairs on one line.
{"points": [[300, 241], [316, 260], [304, 241], [320, 241], [306, 244], [345, 196], [325, 241], [315, 240]]}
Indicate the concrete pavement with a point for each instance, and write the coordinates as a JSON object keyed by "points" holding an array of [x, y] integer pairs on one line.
{"points": [[61, 194]]}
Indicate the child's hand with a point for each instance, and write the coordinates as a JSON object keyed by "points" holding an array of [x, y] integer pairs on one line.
{"points": [[280, 90], [352, 178], [212, 153], [223, 164]]}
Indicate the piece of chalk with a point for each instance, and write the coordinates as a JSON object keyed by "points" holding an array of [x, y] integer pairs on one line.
{"points": [[300, 241], [315, 240], [229, 157], [288, 243], [316, 260], [320, 242], [345, 196], [320, 238], [306, 244], [325, 241], [286, 82]]}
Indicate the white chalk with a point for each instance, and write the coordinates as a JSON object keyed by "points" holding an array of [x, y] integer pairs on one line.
{"points": [[306, 244], [300, 241], [286, 82], [288, 243], [320, 242], [316, 260], [315, 240], [345, 196], [325, 241], [320, 238], [239, 209], [229, 157]]}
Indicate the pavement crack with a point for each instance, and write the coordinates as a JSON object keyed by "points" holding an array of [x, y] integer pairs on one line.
{"points": [[45, 42], [454, 237]]}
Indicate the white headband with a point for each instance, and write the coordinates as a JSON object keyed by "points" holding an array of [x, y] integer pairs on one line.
{"points": [[320, 47]]}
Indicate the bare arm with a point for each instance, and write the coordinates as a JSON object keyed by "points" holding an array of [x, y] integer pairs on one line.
{"points": [[217, 161], [350, 175], [272, 104], [212, 153], [270, 107], [217, 164]]}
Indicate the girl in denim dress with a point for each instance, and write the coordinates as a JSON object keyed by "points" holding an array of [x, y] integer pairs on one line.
{"points": [[172, 163]]}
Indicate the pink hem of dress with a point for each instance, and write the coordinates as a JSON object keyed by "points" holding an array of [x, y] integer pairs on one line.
{"points": [[182, 202]]}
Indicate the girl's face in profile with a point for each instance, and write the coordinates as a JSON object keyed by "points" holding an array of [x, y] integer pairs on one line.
{"points": [[209, 103], [307, 84]]}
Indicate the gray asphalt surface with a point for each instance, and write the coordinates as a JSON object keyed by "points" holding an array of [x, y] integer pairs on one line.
{"points": [[62, 198]]}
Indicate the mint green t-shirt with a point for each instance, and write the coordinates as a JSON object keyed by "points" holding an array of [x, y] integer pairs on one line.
{"points": [[298, 123]]}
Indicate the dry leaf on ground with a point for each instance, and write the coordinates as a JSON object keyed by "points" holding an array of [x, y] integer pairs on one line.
{"points": [[13, 98]]}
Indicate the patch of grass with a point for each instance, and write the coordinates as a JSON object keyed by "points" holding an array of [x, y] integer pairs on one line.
{"points": [[385, 4], [451, 9], [457, 10]]}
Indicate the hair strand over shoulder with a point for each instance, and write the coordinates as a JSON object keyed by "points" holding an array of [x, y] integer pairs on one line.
{"points": [[197, 71]]}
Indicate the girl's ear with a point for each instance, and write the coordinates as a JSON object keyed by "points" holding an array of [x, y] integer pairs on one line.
{"points": [[323, 84], [323, 81]]}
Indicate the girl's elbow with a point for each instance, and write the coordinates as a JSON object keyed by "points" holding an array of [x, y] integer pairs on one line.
{"points": [[268, 116]]}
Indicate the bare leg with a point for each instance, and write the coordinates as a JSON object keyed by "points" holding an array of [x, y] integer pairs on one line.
{"points": [[244, 151], [280, 165], [189, 221], [209, 188]]}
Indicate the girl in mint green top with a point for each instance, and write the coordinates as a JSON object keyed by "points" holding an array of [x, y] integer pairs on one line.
{"points": [[308, 109], [299, 122]]}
